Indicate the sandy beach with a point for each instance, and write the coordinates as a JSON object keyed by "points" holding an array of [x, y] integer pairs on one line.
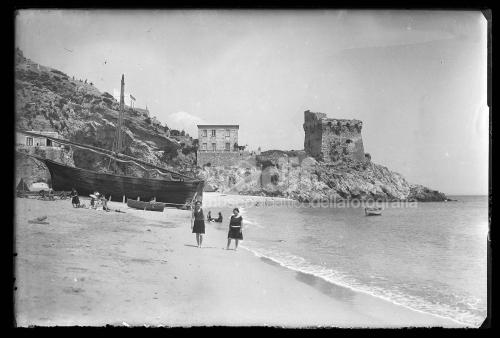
{"points": [[91, 268]]}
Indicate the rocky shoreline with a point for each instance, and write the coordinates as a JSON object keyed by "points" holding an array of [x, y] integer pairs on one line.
{"points": [[312, 181]]}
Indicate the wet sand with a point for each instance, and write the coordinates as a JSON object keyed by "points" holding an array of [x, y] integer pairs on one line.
{"points": [[92, 268]]}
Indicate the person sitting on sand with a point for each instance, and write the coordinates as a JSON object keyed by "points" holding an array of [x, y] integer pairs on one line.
{"points": [[235, 229], [92, 201], [198, 226], [104, 203], [98, 204], [75, 201], [219, 219], [209, 217], [95, 200]]}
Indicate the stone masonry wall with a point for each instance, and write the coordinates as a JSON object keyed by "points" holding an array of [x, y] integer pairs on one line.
{"points": [[342, 140], [313, 133], [31, 170], [217, 159], [332, 140]]}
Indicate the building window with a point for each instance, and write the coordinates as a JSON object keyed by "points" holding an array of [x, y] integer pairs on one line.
{"points": [[204, 146], [228, 146], [213, 132], [228, 133], [49, 143], [204, 133], [213, 147], [29, 141]]}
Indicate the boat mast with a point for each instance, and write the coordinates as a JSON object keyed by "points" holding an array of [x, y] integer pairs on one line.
{"points": [[118, 136], [120, 116]]}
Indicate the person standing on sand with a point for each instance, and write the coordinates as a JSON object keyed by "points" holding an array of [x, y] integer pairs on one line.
{"points": [[198, 226], [235, 229], [75, 201]]}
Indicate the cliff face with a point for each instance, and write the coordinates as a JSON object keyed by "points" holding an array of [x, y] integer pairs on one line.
{"points": [[47, 99], [314, 181]]}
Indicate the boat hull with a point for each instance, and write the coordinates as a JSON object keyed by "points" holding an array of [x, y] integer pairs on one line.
{"points": [[150, 206], [373, 212], [87, 182]]}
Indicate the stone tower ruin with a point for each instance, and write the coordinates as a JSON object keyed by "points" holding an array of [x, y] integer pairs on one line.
{"points": [[332, 140]]}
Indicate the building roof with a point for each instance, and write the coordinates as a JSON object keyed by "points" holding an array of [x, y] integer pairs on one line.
{"points": [[42, 132], [218, 126]]}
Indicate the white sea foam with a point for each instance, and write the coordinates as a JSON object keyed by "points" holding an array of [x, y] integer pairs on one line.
{"points": [[252, 222], [395, 296]]}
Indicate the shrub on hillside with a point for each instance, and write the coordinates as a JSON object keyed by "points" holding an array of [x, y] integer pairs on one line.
{"points": [[189, 149], [108, 95], [108, 102], [62, 102], [169, 152], [59, 72]]}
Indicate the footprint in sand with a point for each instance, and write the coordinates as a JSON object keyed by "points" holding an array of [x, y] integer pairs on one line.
{"points": [[73, 290], [74, 268]]}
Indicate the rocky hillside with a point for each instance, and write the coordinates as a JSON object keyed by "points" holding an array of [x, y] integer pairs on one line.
{"points": [[48, 99], [307, 180]]}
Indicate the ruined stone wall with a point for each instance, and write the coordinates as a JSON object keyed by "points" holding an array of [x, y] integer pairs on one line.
{"points": [[342, 140], [332, 140], [313, 133], [31, 170], [217, 159]]}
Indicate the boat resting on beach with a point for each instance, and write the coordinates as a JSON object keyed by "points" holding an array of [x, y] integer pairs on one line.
{"points": [[175, 192], [178, 190], [149, 206], [175, 188]]}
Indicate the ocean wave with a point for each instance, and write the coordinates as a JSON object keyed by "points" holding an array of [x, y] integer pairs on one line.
{"points": [[452, 311], [252, 222]]}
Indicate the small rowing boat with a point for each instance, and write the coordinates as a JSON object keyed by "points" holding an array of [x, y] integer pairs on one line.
{"points": [[150, 206], [373, 211]]}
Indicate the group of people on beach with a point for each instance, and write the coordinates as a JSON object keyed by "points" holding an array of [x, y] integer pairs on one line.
{"points": [[97, 201], [235, 226], [217, 220]]}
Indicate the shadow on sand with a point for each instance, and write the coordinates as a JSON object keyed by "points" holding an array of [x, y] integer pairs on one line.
{"points": [[203, 247]]}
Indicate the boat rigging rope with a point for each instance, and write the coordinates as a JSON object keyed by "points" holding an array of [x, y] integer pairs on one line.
{"points": [[126, 161], [110, 154]]}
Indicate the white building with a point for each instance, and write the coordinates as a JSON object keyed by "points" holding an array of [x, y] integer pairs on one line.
{"points": [[33, 141]]}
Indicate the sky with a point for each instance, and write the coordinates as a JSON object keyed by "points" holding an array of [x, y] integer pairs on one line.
{"points": [[417, 79]]}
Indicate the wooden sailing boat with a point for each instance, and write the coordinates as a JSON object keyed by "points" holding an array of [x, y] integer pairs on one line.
{"points": [[177, 189]]}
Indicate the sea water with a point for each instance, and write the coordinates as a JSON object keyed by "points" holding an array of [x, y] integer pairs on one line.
{"points": [[429, 257]]}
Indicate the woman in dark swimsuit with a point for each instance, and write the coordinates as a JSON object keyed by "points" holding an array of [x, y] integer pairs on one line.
{"points": [[235, 229], [74, 198], [198, 226]]}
